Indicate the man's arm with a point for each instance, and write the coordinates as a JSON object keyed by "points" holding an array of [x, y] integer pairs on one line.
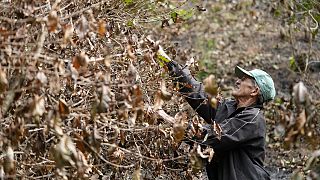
{"points": [[193, 90], [247, 125]]}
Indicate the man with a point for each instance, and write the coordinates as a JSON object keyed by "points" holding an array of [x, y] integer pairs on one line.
{"points": [[239, 154]]}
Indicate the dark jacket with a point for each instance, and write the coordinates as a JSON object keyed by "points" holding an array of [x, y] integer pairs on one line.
{"points": [[239, 154]]}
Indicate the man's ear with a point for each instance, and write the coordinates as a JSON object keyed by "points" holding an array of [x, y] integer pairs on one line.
{"points": [[255, 92]]}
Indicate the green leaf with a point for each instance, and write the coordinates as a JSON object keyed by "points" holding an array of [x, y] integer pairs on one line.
{"points": [[308, 5], [292, 19], [292, 63], [277, 13], [317, 17], [130, 23], [174, 16], [128, 2], [211, 44], [185, 14]]}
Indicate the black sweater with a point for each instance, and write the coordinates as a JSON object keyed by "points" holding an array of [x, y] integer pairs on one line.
{"points": [[239, 154]]}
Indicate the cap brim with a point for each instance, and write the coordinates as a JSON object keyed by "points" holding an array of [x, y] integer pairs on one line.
{"points": [[241, 72]]}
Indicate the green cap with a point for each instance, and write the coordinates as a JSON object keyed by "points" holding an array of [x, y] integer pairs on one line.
{"points": [[263, 79]]}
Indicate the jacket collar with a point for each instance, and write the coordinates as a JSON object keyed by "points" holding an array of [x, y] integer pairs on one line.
{"points": [[233, 110]]}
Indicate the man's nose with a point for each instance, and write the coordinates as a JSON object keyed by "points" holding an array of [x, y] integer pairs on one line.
{"points": [[238, 81]]}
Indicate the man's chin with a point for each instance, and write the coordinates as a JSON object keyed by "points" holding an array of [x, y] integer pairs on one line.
{"points": [[234, 93]]}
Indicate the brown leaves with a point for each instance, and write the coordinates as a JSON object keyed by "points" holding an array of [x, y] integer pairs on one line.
{"points": [[103, 99], [138, 97], [299, 120], [82, 27], [217, 129], [17, 131], [123, 90], [158, 102], [210, 85], [165, 95], [80, 62], [131, 53], [195, 161], [53, 21], [42, 78], [63, 108], [65, 152], [38, 106], [136, 174], [296, 128], [79, 65], [132, 73], [300, 93], [179, 127], [9, 162], [3, 80], [178, 131], [118, 154], [102, 28], [67, 36], [161, 96]]}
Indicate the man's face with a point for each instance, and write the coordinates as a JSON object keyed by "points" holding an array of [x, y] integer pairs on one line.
{"points": [[244, 87]]}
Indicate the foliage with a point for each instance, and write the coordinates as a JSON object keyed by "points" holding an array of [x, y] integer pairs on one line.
{"points": [[82, 94], [300, 16]]}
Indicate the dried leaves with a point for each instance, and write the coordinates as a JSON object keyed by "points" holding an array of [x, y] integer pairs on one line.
{"points": [[217, 130], [3, 80], [53, 21], [211, 87], [296, 128], [165, 95], [63, 108], [77, 81], [137, 174], [38, 106], [111, 111], [297, 122], [67, 35], [80, 62], [178, 131], [9, 162], [102, 28], [300, 93], [65, 152]]}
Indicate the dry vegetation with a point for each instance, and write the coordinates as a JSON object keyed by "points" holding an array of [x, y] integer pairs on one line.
{"points": [[80, 92], [82, 96]]}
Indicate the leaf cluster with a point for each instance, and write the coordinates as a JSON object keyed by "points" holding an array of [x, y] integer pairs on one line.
{"points": [[81, 92]]}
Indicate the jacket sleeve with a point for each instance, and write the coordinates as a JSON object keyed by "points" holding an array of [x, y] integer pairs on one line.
{"points": [[192, 90], [240, 129]]}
